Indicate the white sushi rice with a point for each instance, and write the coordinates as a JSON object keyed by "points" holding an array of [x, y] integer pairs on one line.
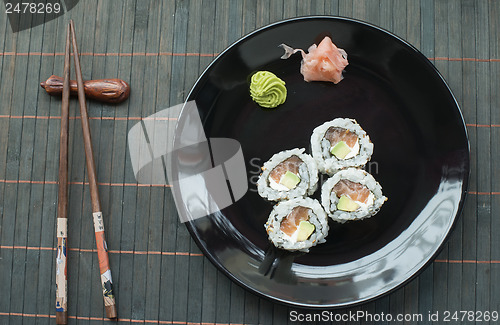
{"points": [[329, 199], [317, 217], [320, 147], [308, 173]]}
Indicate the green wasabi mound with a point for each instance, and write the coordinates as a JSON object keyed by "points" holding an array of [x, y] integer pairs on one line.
{"points": [[267, 90]]}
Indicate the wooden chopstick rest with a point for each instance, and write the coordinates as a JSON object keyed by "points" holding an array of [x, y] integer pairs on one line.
{"points": [[111, 91]]}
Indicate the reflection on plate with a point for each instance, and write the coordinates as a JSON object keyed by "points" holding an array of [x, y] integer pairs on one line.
{"points": [[421, 159]]}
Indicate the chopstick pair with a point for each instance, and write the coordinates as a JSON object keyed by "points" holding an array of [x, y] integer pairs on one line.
{"points": [[62, 207]]}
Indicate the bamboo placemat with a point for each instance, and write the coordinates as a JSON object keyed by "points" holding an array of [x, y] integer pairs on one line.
{"points": [[160, 48]]}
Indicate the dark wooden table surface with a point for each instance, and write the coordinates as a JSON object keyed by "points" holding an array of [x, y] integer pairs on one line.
{"points": [[161, 47]]}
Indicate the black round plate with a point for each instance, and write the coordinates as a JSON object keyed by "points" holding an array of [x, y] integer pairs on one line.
{"points": [[421, 159]]}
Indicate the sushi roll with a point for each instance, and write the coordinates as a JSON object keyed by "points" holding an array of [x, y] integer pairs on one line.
{"points": [[297, 224], [287, 175], [351, 194], [339, 144]]}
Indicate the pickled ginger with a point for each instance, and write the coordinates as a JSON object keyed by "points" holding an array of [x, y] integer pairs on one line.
{"points": [[323, 62]]}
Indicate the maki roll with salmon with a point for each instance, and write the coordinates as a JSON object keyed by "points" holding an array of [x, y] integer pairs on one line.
{"points": [[287, 175], [297, 224], [339, 144], [351, 194]]}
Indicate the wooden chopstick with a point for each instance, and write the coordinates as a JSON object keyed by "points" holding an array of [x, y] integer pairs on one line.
{"points": [[62, 199], [102, 249]]}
